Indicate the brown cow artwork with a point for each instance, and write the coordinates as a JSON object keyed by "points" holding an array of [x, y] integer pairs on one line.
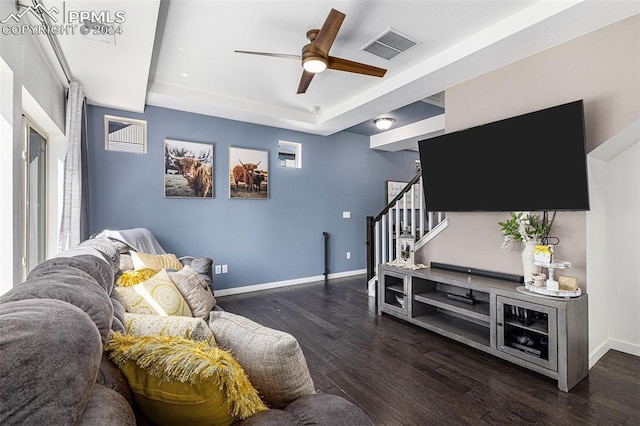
{"points": [[188, 169], [248, 173]]}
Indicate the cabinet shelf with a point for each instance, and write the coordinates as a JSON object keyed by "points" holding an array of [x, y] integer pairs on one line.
{"points": [[396, 288], [456, 328], [439, 299], [538, 326]]}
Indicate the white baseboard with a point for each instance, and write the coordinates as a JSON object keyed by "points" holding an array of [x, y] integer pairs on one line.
{"points": [[599, 353], [626, 347], [277, 284], [617, 345]]}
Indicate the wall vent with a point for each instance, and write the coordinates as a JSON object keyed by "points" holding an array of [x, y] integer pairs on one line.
{"points": [[390, 44]]}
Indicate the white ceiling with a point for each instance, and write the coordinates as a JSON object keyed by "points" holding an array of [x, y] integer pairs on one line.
{"points": [[180, 53]]}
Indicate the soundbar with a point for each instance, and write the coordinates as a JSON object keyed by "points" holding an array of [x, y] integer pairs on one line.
{"points": [[479, 272]]}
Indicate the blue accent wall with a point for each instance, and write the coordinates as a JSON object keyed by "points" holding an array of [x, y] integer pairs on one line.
{"points": [[262, 241]]}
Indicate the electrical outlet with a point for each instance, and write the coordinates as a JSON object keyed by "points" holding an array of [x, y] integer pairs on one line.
{"points": [[348, 255], [346, 215], [218, 269], [225, 269]]}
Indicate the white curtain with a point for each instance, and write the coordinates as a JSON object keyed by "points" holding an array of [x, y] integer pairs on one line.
{"points": [[74, 226]]}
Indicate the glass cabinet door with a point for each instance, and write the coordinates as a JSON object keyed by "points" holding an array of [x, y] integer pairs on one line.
{"points": [[527, 331]]}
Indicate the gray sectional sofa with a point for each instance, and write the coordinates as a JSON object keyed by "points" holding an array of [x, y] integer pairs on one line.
{"points": [[54, 371]]}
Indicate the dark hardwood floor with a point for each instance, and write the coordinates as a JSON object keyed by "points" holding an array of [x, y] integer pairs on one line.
{"points": [[400, 374]]}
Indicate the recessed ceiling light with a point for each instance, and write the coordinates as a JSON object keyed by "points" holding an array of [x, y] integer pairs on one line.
{"points": [[314, 109], [184, 74]]}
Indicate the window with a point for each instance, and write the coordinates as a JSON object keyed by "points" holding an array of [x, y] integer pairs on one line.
{"points": [[125, 134], [35, 184], [290, 154]]}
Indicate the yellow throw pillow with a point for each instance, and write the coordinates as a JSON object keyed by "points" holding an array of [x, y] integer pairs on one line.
{"points": [[135, 276], [155, 261], [179, 381], [156, 296]]}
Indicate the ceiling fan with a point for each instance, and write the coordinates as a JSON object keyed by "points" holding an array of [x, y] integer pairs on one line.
{"points": [[315, 55]]}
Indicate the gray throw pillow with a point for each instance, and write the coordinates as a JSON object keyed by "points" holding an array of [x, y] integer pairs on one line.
{"points": [[195, 291], [272, 359]]}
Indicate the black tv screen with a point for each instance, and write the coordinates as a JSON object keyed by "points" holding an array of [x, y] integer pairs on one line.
{"points": [[531, 162]]}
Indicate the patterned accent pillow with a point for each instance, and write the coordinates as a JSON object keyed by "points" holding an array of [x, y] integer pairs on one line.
{"points": [[178, 381], [135, 276], [150, 325], [195, 290], [272, 359], [155, 261], [156, 296]]}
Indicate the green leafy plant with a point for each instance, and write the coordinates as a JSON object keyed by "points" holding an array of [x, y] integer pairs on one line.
{"points": [[524, 227]]}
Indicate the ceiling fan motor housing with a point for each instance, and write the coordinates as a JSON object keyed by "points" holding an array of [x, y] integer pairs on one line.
{"points": [[313, 60]]}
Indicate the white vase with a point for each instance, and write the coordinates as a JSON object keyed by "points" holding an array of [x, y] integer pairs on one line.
{"points": [[528, 267]]}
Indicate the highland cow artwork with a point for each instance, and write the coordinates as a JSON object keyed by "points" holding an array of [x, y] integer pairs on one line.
{"points": [[248, 173], [188, 169]]}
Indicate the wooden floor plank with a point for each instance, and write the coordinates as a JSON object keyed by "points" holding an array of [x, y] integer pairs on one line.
{"points": [[401, 374]]}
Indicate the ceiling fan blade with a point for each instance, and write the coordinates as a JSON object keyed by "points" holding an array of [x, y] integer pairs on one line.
{"points": [[274, 55], [356, 67], [305, 80], [329, 31]]}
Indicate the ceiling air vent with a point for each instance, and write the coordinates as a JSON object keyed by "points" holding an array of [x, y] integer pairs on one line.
{"points": [[390, 44]]}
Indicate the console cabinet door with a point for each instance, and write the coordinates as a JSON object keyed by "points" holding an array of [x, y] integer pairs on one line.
{"points": [[392, 296], [527, 331]]}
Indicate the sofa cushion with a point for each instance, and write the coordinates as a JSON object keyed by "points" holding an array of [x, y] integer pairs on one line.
{"points": [[50, 355], [69, 280], [179, 381], [319, 409], [324, 409], [154, 325], [111, 377], [106, 406], [156, 296], [155, 261], [117, 323], [195, 290], [272, 359]]}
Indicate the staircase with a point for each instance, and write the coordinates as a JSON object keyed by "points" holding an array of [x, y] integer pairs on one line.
{"points": [[406, 210]]}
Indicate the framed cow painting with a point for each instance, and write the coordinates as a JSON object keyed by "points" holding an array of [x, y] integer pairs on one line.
{"points": [[248, 173], [188, 169]]}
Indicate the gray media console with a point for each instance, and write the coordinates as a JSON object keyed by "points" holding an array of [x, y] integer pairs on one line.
{"points": [[544, 334]]}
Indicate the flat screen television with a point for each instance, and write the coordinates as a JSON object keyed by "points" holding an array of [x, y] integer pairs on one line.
{"points": [[531, 162]]}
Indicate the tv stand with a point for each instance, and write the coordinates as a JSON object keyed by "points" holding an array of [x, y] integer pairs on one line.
{"points": [[544, 334]]}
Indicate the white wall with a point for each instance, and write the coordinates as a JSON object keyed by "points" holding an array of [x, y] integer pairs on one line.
{"points": [[6, 173], [622, 255]]}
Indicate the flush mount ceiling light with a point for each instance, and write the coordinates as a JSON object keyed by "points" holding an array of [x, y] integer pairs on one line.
{"points": [[384, 123]]}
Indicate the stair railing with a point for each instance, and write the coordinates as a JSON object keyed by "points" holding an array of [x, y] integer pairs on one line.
{"points": [[406, 210]]}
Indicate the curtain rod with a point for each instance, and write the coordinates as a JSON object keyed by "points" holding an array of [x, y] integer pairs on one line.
{"points": [[52, 38]]}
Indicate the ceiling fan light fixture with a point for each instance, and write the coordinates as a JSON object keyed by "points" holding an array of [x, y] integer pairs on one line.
{"points": [[384, 123], [314, 65]]}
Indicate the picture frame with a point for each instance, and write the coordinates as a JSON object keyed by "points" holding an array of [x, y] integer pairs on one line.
{"points": [[125, 134], [248, 173], [188, 169], [395, 187]]}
